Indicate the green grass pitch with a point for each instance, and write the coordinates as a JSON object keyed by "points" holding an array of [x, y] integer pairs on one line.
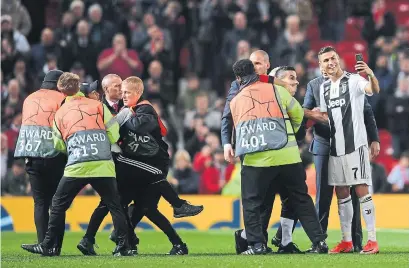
{"points": [[207, 249]]}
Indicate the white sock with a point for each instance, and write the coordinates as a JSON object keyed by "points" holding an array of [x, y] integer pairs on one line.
{"points": [[368, 212], [287, 231], [346, 213], [243, 234]]}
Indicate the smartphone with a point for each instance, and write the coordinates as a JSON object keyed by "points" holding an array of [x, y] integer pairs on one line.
{"points": [[359, 57]]}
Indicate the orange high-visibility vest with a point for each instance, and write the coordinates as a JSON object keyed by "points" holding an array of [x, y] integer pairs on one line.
{"points": [[81, 124], [258, 119], [35, 138]]}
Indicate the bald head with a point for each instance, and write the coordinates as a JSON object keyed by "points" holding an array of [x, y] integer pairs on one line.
{"points": [[111, 84], [261, 61]]}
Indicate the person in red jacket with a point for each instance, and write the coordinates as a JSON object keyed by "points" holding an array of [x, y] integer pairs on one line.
{"points": [[215, 175]]}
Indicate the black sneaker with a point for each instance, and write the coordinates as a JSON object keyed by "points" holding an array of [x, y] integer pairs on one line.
{"points": [[257, 249], [269, 250], [118, 252], [275, 241], [241, 243], [291, 248], [86, 247], [180, 249], [318, 248], [186, 210], [40, 249]]}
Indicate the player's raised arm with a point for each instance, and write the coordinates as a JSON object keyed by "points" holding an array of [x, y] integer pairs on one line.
{"points": [[373, 85]]}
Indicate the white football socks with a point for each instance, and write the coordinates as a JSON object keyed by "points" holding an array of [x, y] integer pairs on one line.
{"points": [[346, 213], [368, 212], [287, 231]]}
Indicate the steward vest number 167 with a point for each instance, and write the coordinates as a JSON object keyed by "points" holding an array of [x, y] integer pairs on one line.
{"points": [[254, 141]]}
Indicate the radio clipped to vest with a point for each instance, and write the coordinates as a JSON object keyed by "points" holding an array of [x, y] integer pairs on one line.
{"points": [[259, 122]]}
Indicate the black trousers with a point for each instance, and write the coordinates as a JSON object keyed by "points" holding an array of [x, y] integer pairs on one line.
{"points": [[142, 184], [324, 197], [257, 186], [44, 175], [67, 189]]}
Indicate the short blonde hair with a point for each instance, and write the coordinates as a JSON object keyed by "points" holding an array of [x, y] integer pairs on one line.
{"points": [[135, 83], [69, 83], [182, 154]]}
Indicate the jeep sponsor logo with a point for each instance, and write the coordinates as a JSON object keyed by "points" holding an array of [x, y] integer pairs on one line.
{"points": [[336, 103]]}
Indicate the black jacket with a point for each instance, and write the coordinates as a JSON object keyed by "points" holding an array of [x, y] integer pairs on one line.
{"points": [[134, 132]]}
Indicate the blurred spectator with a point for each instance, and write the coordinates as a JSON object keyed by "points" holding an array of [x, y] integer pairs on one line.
{"points": [[102, 31], [402, 73], [4, 155], [379, 181], [77, 8], [13, 104], [239, 32], [78, 69], [155, 49], [242, 52], [266, 17], [398, 121], [12, 132], [379, 23], [196, 141], [186, 101], [23, 76], [50, 64], [211, 118], [402, 37], [184, 179], [292, 45], [48, 46], [385, 80], [119, 60], [16, 180], [216, 174], [19, 14], [65, 33], [301, 8], [331, 19], [159, 85], [233, 186], [18, 40], [84, 50], [399, 176]]}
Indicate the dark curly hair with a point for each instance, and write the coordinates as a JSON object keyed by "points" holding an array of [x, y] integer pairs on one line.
{"points": [[243, 68]]}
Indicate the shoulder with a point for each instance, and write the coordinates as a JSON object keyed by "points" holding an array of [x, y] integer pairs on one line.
{"points": [[144, 108], [106, 52]]}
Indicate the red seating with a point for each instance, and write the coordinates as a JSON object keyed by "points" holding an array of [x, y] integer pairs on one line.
{"points": [[351, 46], [353, 29], [313, 33]]}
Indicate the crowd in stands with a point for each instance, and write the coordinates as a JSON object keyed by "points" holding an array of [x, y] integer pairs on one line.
{"points": [[184, 51]]}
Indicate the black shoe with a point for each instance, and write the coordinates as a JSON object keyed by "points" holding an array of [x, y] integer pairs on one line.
{"points": [[358, 249], [113, 237], [86, 247], [269, 250], [291, 248], [186, 210], [318, 248], [241, 243], [40, 249], [275, 241], [118, 252], [257, 249], [180, 249]]}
